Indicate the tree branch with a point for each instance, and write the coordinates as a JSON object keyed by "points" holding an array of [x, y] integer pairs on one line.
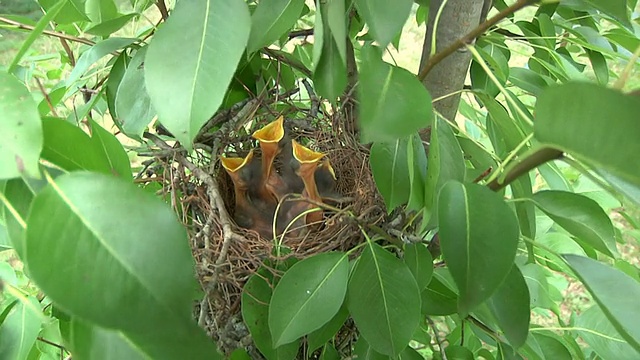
{"points": [[22, 26], [300, 33], [467, 39], [527, 164]]}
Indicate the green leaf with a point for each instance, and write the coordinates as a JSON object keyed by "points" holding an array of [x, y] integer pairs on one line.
{"points": [[420, 262], [95, 53], [446, 162], [438, 299], [329, 353], [272, 19], [393, 102], [67, 146], [550, 345], [19, 194], [605, 284], [330, 74], [19, 330], [569, 118], [389, 167], [191, 61], [528, 80], [539, 293], [410, 354], [456, 352], [73, 10], [521, 188], [308, 296], [510, 306], [383, 300], [328, 330], [20, 129], [617, 9], [631, 191], [606, 341], [479, 237], [132, 103], [100, 10], [580, 216], [90, 342], [256, 296], [417, 166], [115, 78], [110, 26], [600, 67], [385, 18], [364, 351], [147, 269]]}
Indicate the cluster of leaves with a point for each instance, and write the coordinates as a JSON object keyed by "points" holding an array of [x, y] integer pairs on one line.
{"points": [[113, 261]]}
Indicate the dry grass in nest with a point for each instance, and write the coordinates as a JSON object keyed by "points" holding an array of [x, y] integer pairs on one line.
{"points": [[219, 312]]}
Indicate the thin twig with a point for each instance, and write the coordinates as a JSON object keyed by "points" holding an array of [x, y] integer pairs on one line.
{"points": [[472, 35], [315, 102], [163, 9], [300, 33], [48, 342], [527, 164], [435, 335], [294, 64], [59, 35], [67, 49], [47, 98]]}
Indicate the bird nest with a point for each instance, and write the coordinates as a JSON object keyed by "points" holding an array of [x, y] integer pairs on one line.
{"points": [[227, 255]]}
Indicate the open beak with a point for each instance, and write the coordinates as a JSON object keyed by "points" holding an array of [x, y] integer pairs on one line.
{"points": [[309, 161], [234, 166], [269, 136]]}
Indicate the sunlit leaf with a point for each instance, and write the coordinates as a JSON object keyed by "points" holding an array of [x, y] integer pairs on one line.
{"points": [[270, 20], [580, 216], [95, 53], [148, 269], [385, 18], [393, 102], [19, 329], [570, 118], [90, 342], [20, 129], [383, 300], [132, 104], [510, 305], [111, 150], [308, 296], [606, 341], [420, 262], [605, 284], [389, 167], [191, 61], [479, 237]]}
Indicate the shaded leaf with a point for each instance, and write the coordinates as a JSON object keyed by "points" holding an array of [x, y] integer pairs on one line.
{"points": [[420, 262], [479, 237], [19, 329], [110, 26], [20, 129], [538, 285], [605, 284], [132, 103], [569, 118], [308, 296], [95, 53], [630, 190], [456, 352], [329, 353], [389, 166], [383, 300], [270, 20], [510, 306], [111, 150], [580, 216], [150, 282], [393, 102], [72, 10], [191, 61], [438, 299], [363, 350], [606, 341], [417, 167], [385, 18], [328, 330], [91, 342]]}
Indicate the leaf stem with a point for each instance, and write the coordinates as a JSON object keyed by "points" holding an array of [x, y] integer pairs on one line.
{"points": [[13, 211], [472, 35], [59, 35], [509, 157], [527, 164]]}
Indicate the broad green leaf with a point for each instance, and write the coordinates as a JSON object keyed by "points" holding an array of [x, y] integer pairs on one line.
{"points": [[272, 19], [20, 195], [100, 10], [191, 61], [389, 167], [95, 53], [606, 341], [93, 342], [617, 9], [363, 350], [420, 262], [554, 177], [529, 80], [600, 67], [498, 64], [70, 148], [569, 118], [329, 353], [521, 188], [20, 129], [72, 11], [148, 269], [110, 26], [605, 284], [479, 237], [239, 354], [446, 162], [113, 82], [631, 191], [132, 103], [539, 293], [550, 346], [393, 102], [328, 330], [308, 296], [383, 300], [510, 306], [580, 216], [438, 299], [457, 352], [506, 129], [417, 166], [336, 21], [5, 242], [330, 74], [558, 243], [256, 296], [19, 329], [111, 150], [385, 18], [410, 354]]}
